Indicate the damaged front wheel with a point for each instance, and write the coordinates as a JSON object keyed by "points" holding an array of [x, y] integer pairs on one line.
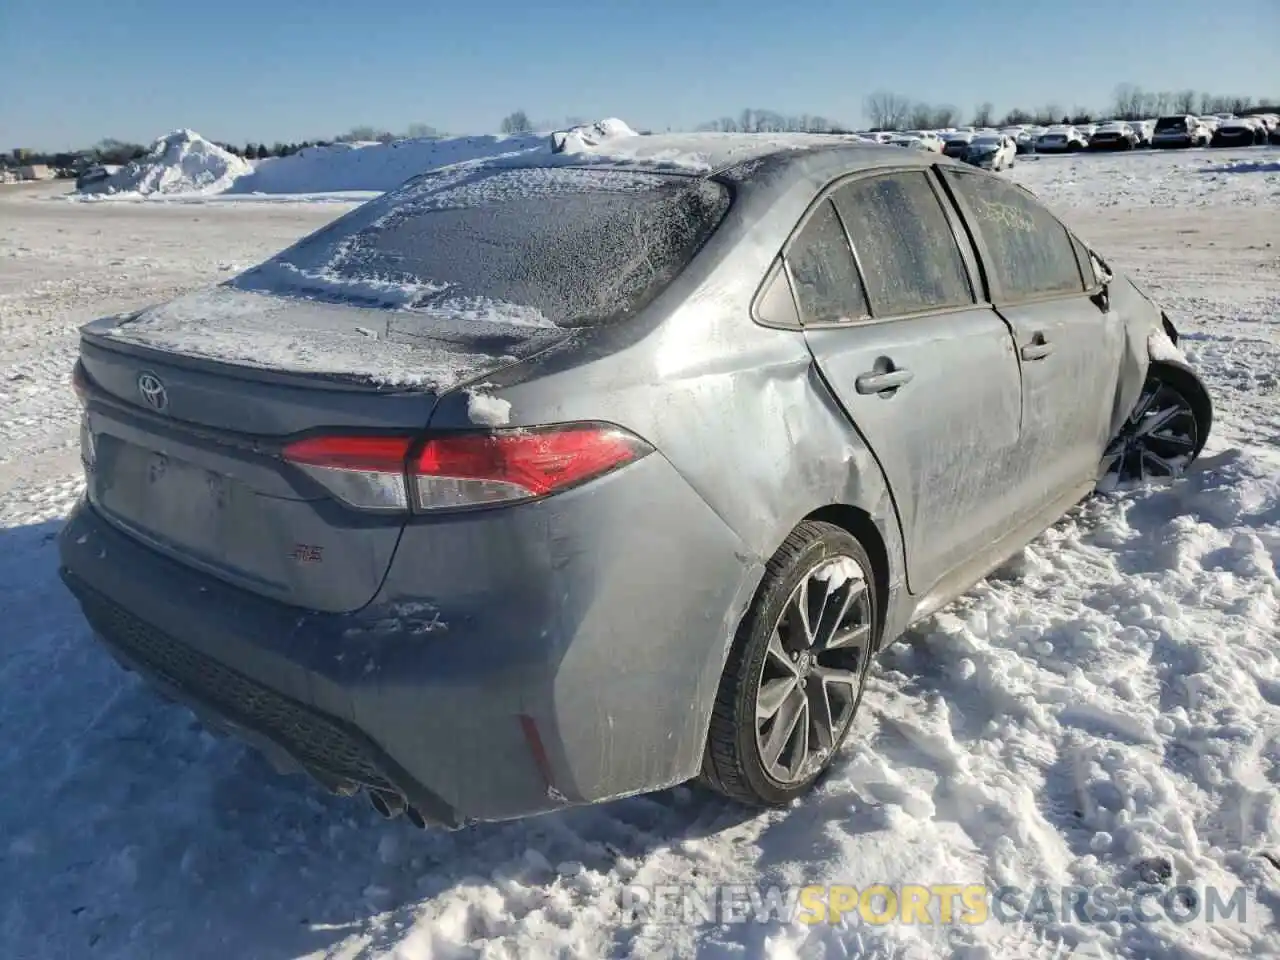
{"points": [[1163, 434]]}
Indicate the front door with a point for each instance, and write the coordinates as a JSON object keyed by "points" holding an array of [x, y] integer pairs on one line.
{"points": [[1069, 344]]}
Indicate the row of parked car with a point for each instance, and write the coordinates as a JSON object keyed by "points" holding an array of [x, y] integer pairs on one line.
{"points": [[996, 149]]}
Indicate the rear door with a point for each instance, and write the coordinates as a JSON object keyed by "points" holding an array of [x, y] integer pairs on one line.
{"points": [[924, 369], [1069, 343]]}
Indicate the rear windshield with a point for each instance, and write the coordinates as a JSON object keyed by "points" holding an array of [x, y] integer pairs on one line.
{"points": [[1171, 123], [542, 246]]}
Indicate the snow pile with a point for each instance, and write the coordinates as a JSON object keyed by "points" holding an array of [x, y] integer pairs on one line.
{"points": [[375, 167], [182, 162], [585, 136]]}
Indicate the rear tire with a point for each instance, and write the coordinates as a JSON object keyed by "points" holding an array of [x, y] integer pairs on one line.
{"points": [[794, 677]]}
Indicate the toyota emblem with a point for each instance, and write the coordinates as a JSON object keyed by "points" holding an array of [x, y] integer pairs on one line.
{"points": [[153, 392]]}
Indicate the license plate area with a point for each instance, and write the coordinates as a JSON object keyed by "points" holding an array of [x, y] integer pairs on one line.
{"points": [[170, 500]]}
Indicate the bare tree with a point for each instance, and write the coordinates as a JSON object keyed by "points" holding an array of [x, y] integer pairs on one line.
{"points": [[1240, 104], [944, 115], [920, 116], [417, 131], [887, 111], [983, 115], [517, 122], [361, 134], [758, 120], [1049, 113], [722, 125], [1016, 116], [1126, 103], [1185, 101]]}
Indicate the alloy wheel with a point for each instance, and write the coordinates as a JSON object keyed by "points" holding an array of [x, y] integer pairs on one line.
{"points": [[1157, 441], [811, 676]]}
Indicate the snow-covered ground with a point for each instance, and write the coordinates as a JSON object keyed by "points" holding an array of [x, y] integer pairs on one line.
{"points": [[1105, 706]]}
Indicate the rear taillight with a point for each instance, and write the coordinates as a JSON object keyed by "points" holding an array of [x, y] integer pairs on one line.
{"points": [[88, 449], [459, 470], [80, 383], [366, 472]]}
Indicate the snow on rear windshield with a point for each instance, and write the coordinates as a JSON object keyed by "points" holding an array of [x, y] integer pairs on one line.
{"points": [[533, 246]]}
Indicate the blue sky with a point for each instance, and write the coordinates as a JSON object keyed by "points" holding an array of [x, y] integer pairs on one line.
{"points": [[79, 70]]}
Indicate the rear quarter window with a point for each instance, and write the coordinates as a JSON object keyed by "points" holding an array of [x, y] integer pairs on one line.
{"points": [[823, 272], [1028, 249]]}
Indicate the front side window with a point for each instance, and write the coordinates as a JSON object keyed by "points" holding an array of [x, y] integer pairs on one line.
{"points": [[1029, 251], [905, 244], [823, 273]]}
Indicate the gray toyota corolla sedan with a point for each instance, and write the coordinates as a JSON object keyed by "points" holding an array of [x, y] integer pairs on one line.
{"points": [[542, 481]]}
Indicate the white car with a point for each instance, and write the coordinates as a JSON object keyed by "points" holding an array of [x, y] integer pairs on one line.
{"points": [[1023, 138], [1145, 129], [929, 139], [1181, 131], [992, 151], [1061, 138], [911, 142]]}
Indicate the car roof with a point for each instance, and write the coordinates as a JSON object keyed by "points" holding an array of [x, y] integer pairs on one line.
{"points": [[705, 154]]}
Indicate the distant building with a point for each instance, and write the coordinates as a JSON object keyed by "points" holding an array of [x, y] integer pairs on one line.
{"points": [[36, 171]]}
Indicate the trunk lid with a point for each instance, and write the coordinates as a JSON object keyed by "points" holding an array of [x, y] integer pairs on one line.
{"points": [[189, 404]]}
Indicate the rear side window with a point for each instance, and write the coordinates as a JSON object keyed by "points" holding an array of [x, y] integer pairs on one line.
{"points": [[1029, 251], [823, 272], [562, 246], [905, 244]]}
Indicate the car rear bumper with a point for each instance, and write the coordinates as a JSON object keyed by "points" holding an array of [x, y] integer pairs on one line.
{"points": [[591, 677]]}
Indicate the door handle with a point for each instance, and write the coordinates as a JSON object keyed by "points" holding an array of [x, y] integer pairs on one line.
{"points": [[1037, 349], [877, 381]]}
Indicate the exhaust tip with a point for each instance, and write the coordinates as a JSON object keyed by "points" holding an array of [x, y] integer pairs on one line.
{"points": [[388, 805]]}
